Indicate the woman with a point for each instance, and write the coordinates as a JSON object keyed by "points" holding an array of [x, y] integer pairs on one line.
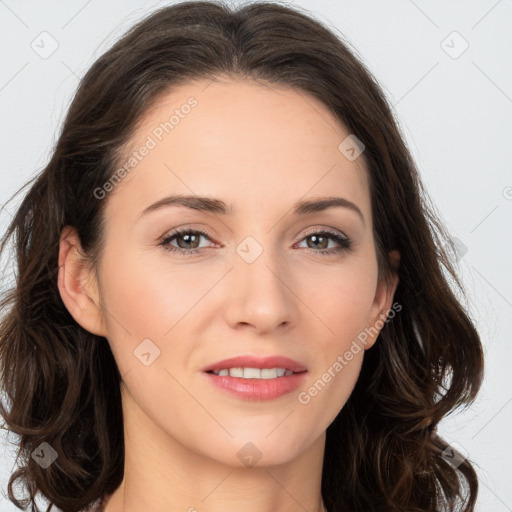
{"points": [[230, 288]]}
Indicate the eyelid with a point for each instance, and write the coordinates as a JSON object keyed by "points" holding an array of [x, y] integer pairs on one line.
{"points": [[186, 228], [318, 228]]}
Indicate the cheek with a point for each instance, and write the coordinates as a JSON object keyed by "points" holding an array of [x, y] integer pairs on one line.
{"points": [[329, 389], [149, 301], [146, 299], [341, 299], [344, 307], [339, 352], [134, 309]]}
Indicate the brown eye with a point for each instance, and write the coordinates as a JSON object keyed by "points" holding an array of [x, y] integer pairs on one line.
{"points": [[188, 241], [318, 242]]}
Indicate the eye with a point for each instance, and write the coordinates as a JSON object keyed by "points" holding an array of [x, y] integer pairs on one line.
{"points": [[320, 240], [187, 239]]}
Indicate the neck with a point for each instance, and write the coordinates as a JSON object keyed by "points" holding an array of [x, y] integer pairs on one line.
{"points": [[161, 474]]}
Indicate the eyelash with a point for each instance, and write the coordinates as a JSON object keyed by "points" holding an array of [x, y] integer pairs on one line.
{"points": [[345, 242]]}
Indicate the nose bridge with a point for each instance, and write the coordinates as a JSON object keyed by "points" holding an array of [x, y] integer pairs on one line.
{"points": [[259, 295]]}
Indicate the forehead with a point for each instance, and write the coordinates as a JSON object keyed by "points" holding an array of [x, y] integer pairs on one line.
{"points": [[250, 143]]}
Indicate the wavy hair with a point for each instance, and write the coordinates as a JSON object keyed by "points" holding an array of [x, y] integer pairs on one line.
{"points": [[383, 451]]}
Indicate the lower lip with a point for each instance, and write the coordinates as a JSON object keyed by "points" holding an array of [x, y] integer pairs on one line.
{"points": [[257, 389]]}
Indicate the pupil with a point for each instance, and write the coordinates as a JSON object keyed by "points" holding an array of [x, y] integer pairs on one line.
{"points": [[187, 239], [315, 237]]}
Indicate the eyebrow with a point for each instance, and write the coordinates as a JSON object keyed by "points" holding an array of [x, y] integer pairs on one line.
{"points": [[212, 205]]}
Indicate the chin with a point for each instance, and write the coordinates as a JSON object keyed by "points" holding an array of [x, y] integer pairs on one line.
{"points": [[262, 450]]}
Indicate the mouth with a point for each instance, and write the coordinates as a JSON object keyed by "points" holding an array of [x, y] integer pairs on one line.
{"points": [[256, 378], [256, 367], [254, 373]]}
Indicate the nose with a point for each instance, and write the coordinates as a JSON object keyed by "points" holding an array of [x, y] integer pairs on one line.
{"points": [[260, 295]]}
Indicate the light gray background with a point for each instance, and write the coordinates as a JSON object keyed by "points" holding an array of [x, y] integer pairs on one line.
{"points": [[454, 110]]}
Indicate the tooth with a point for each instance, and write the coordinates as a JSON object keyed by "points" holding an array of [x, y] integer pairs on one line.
{"points": [[269, 373], [252, 373], [236, 372]]}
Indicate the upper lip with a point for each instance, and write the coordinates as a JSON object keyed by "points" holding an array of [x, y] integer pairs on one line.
{"points": [[249, 361]]}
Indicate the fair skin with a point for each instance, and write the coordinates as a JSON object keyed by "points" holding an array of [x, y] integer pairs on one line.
{"points": [[260, 149]]}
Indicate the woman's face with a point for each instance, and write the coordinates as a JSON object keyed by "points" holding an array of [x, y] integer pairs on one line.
{"points": [[257, 285]]}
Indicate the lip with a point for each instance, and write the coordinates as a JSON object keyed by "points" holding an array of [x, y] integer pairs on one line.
{"points": [[249, 361], [257, 389]]}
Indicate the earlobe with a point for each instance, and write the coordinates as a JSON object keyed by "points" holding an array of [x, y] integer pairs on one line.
{"points": [[77, 284], [383, 300]]}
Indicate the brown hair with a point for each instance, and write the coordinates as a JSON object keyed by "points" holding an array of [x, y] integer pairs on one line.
{"points": [[382, 450]]}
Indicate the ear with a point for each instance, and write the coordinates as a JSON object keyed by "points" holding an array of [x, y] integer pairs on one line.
{"points": [[77, 284], [383, 301]]}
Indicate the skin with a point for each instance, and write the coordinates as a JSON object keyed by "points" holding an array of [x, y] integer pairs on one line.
{"points": [[260, 149]]}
